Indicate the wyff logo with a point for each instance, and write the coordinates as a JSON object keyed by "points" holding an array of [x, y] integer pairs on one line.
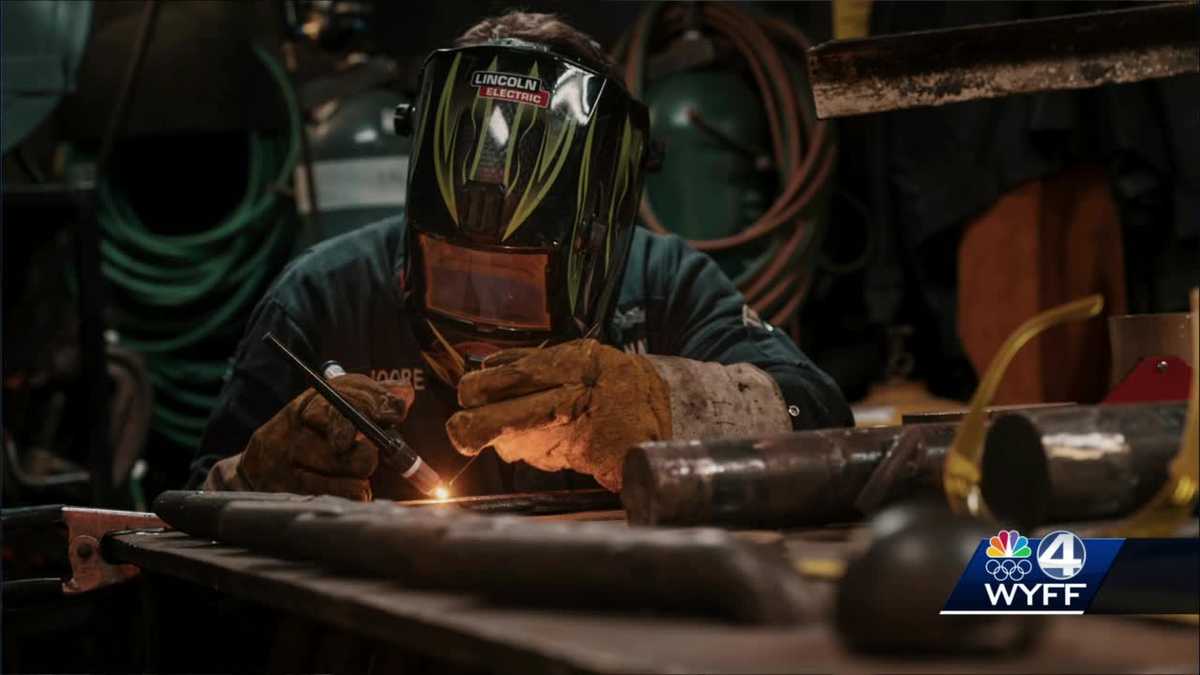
{"points": [[1005, 576]]}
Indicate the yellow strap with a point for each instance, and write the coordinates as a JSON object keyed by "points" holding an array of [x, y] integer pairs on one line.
{"points": [[851, 19], [961, 473]]}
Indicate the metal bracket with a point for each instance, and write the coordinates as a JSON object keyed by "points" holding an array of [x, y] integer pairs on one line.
{"points": [[86, 528]]}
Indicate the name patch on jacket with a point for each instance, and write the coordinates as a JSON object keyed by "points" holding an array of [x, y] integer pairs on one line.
{"points": [[412, 376], [511, 87]]}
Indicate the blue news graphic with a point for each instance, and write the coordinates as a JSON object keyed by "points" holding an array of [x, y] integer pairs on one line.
{"points": [[1152, 576], [1061, 555], [1006, 577]]}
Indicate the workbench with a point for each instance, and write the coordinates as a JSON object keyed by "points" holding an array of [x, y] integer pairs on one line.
{"points": [[461, 631]]}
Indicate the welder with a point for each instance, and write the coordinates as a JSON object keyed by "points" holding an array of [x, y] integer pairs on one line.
{"points": [[515, 305]]}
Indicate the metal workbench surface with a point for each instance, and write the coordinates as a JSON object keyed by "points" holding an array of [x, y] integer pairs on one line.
{"points": [[472, 631]]}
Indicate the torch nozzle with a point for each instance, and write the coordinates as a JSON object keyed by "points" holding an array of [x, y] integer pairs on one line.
{"points": [[425, 479]]}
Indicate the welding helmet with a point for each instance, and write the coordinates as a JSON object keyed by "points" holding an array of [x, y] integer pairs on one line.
{"points": [[524, 182]]}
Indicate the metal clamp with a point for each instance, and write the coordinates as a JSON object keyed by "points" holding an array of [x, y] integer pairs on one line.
{"points": [[86, 528]]}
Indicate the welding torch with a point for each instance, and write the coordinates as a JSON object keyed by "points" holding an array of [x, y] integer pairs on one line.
{"points": [[394, 452]]}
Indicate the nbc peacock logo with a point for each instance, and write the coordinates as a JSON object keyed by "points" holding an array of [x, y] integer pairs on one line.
{"points": [[1008, 556]]}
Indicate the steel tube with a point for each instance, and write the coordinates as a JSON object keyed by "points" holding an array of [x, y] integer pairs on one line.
{"points": [[804, 478], [508, 557], [198, 512], [1080, 463], [1039, 464]]}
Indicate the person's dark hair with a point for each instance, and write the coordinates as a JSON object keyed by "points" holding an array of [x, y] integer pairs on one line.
{"points": [[543, 29]]}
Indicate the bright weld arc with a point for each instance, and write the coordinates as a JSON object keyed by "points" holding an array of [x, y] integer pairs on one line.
{"points": [[460, 472], [442, 492]]}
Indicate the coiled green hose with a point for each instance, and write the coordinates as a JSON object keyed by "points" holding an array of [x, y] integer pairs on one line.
{"points": [[216, 274]]}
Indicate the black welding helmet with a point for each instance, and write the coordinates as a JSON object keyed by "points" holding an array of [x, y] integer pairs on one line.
{"points": [[523, 189]]}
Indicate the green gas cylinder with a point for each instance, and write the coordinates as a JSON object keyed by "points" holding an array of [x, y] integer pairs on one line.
{"points": [[43, 44], [717, 178]]}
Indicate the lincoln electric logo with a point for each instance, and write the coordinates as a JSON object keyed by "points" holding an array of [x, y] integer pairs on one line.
{"points": [[510, 87]]}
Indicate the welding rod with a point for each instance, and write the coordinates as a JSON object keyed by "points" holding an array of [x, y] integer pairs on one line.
{"points": [[393, 451]]}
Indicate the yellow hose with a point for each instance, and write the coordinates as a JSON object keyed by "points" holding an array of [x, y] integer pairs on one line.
{"points": [[961, 473]]}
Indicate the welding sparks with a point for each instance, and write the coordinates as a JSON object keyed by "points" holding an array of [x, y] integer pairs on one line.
{"points": [[440, 493]]}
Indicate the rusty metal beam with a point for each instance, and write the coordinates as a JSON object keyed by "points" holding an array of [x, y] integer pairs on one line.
{"points": [[509, 558], [932, 68]]}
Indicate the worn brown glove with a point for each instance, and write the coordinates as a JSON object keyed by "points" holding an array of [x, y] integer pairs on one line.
{"points": [[309, 447], [579, 405]]}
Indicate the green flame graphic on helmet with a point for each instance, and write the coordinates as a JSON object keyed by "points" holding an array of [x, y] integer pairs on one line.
{"points": [[538, 179], [574, 263], [489, 104], [628, 162], [553, 153], [443, 141], [626, 174]]}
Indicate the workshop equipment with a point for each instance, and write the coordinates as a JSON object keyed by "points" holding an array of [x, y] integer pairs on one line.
{"points": [[1134, 337], [949, 416], [677, 56], [39, 395], [355, 166], [1055, 462], [359, 165], [890, 72], [1078, 463], [67, 607], [962, 471], [197, 512], [448, 632], [394, 452], [509, 558], [85, 530], [803, 478], [890, 597], [1172, 503], [184, 295], [43, 44], [192, 510], [1151, 357], [1177, 501]]}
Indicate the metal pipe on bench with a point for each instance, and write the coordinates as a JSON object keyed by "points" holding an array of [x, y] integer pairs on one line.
{"points": [[804, 478], [1081, 463], [1056, 463], [511, 558]]}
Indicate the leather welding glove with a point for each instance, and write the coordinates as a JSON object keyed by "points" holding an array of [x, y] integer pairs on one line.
{"points": [[582, 405], [309, 447]]}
